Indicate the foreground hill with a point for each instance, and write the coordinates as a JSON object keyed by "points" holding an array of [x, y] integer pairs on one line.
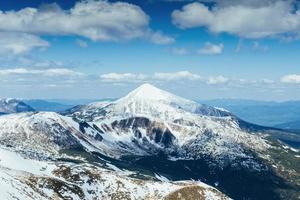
{"points": [[33, 179], [36, 162]]}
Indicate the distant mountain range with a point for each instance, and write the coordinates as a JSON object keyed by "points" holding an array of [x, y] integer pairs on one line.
{"points": [[9, 105], [284, 115], [276, 114], [149, 144], [46, 105], [294, 125], [58, 105]]}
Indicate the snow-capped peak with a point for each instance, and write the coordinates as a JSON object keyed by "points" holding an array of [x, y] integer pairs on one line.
{"points": [[147, 100], [150, 101], [151, 93]]}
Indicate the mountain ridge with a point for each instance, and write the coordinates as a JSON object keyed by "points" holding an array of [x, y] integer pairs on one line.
{"points": [[138, 139], [11, 105]]}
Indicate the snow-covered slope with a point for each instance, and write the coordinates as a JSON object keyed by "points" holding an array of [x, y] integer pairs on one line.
{"points": [[32, 166], [90, 110], [95, 152], [146, 100], [27, 179], [43, 134], [8, 105]]}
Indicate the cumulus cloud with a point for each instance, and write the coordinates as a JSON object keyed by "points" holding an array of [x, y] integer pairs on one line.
{"points": [[159, 38], [162, 77], [252, 3], [181, 75], [211, 49], [41, 72], [20, 43], [217, 80], [291, 78], [249, 20], [158, 76], [122, 77], [96, 20]]}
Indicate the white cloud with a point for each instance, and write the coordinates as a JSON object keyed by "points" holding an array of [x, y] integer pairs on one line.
{"points": [[19, 43], [270, 18], [211, 49], [158, 76], [217, 80], [160, 38], [122, 77], [181, 75], [96, 20], [43, 72], [291, 78], [251, 3], [82, 43]]}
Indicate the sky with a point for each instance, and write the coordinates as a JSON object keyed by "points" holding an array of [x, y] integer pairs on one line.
{"points": [[196, 49]]}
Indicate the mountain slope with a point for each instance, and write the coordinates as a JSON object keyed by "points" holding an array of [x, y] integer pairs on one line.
{"points": [[147, 142], [154, 130], [65, 180], [149, 120], [44, 134], [36, 162]]}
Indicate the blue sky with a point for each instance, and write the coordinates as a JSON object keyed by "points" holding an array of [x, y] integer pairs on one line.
{"points": [[197, 49]]}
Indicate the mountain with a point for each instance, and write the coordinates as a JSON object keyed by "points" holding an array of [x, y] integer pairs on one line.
{"points": [[45, 105], [157, 130], [90, 109], [293, 125], [149, 120], [9, 105], [266, 113], [44, 155], [150, 144]]}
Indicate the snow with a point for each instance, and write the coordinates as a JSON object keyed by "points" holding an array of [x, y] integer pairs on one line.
{"points": [[41, 134], [198, 129], [15, 161], [209, 195], [44, 134], [290, 148], [10, 105], [151, 101], [11, 188], [161, 178]]}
